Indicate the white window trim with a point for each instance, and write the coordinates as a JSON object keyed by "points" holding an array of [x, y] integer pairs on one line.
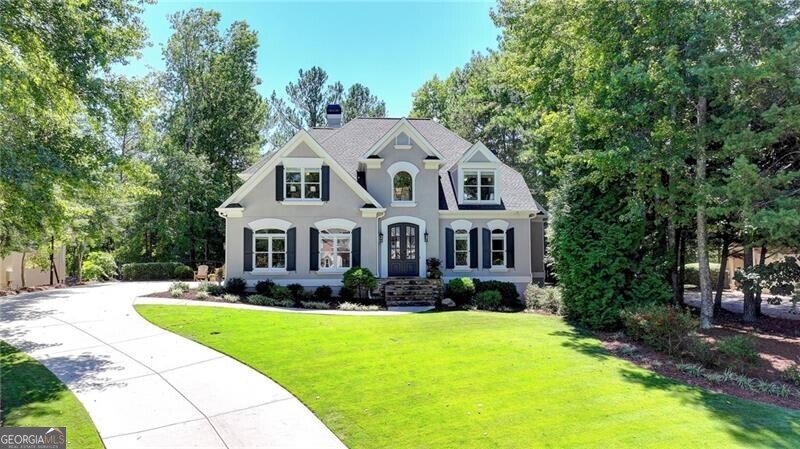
{"points": [[497, 224], [456, 238], [269, 223], [501, 235], [479, 167], [302, 199], [402, 146], [269, 252], [335, 223], [384, 245], [302, 162], [335, 236], [411, 169], [461, 225]]}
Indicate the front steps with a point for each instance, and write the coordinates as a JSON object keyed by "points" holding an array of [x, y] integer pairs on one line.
{"points": [[404, 292]]}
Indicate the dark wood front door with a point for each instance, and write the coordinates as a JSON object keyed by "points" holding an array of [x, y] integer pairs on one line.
{"points": [[403, 249]]}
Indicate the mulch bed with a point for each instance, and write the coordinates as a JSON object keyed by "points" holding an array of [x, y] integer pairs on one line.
{"points": [[37, 288], [777, 341]]}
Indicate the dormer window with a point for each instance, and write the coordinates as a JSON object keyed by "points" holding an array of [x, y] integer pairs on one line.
{"points": [[402, 142], [480, 185], [302, 184]]}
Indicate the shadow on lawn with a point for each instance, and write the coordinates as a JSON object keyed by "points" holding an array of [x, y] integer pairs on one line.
{"points": [[751, 423], [27, 385]]}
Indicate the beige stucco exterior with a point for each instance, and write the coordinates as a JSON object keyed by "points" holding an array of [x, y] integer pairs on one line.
{"points": [[11, 270]]}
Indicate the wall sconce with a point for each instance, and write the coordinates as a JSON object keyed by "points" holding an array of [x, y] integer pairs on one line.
{"points": [[426, 236], [380, 237]]}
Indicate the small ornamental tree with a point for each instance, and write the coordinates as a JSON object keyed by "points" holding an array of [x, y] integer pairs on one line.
{"points": [[359, 280]]}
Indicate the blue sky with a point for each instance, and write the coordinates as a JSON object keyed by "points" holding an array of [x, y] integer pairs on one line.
{"points": [[392, 47]]}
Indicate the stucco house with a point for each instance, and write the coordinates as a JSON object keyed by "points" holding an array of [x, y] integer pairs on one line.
{"points": [[385, 194]]}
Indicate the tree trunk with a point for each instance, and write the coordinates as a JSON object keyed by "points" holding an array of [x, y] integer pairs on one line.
{"points": [[79, 255], [761, 261], [22, 270], [723, 263], [706, 301], [681, 267], [749, 311], [52, 261]]}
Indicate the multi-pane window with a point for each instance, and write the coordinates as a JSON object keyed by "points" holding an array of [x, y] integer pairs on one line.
{"points": [[269, 249], [498, 248], [334, 249], [402, 187], [462, 248], [302, 183], [479, 185]]}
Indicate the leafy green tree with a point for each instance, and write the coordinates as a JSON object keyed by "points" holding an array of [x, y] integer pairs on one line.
{"points": [[359, 102]]}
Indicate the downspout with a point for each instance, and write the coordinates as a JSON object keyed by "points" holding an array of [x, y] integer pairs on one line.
{"points": [[378, 217]]}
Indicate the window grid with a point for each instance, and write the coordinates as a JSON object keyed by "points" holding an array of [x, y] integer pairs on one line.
{"points": [[302, 184], [402, 187], [335, 249], [498, 248], [269, 249], [479, 185], [461, 248]]}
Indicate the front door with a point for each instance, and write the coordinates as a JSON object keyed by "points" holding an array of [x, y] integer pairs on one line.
{"points": [[403, 254]]}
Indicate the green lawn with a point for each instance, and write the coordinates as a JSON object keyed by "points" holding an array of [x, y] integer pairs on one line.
{"points": [[475, 380], [32, 396]]}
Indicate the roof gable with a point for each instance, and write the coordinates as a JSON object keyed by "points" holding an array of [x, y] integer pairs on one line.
{"points": [[269, 164], [403, 126]]}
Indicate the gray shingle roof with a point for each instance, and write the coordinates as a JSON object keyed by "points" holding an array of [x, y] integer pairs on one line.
{"points": [[349, 143]]}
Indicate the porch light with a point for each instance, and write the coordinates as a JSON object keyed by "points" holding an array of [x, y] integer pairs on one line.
{"points": [[380, 237], [426, 236]]}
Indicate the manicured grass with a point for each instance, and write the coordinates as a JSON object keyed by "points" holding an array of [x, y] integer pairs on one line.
{"points": [[475, 380], [32, 396]]}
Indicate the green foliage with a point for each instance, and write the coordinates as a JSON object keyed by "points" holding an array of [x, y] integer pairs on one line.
{"points": [[357, 307], [792, 374], [230, 297], [282, 293], [359, 280], [323, 293], [544, 298], [346, 294], [265, 287], [150, 271], [183, 272], [320, 305], [433, 268], [488, 300], [738, 351], [461, 290], [101, 265], [179, 285], [262, 300], [664, 328], [702, 351], [215, 290], [508, 290], [692, 273], [235, 285], [598, 248], [297, 291]]}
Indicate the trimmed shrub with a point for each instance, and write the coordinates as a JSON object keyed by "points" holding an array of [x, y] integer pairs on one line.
{"points": [[738, 351], [149, 271], [215, 290], [508, 291], [203, 286], [359, 280], [179, 285], [323, 293], [691, 273], [176, 292], [315, 305], [345, 294], [261, 300], [202, 295], [282, 293], [183, 272], [662, 327], [297, 291], [265, 287], [461, 290], [544, 298], [99, 265], [358, 307], [488, 300], [237, 286]]}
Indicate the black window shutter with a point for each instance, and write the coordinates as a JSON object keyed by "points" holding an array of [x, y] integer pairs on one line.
{"points": [[279, 183], [487, 248], [473, 248], [248, 249], [313, 253], [355, 239], [510, 248], [361, 177], [291, 249], [326, 183], [449, 250]]}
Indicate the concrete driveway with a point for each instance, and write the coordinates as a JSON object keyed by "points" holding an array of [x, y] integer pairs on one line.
{"points": [[147, 388]]}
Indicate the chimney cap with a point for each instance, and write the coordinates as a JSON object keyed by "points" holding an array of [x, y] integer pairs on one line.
{"points": [[333, 109]]}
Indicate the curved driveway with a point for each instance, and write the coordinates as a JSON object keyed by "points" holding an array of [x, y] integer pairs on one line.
{"points": [[145, 387]]}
